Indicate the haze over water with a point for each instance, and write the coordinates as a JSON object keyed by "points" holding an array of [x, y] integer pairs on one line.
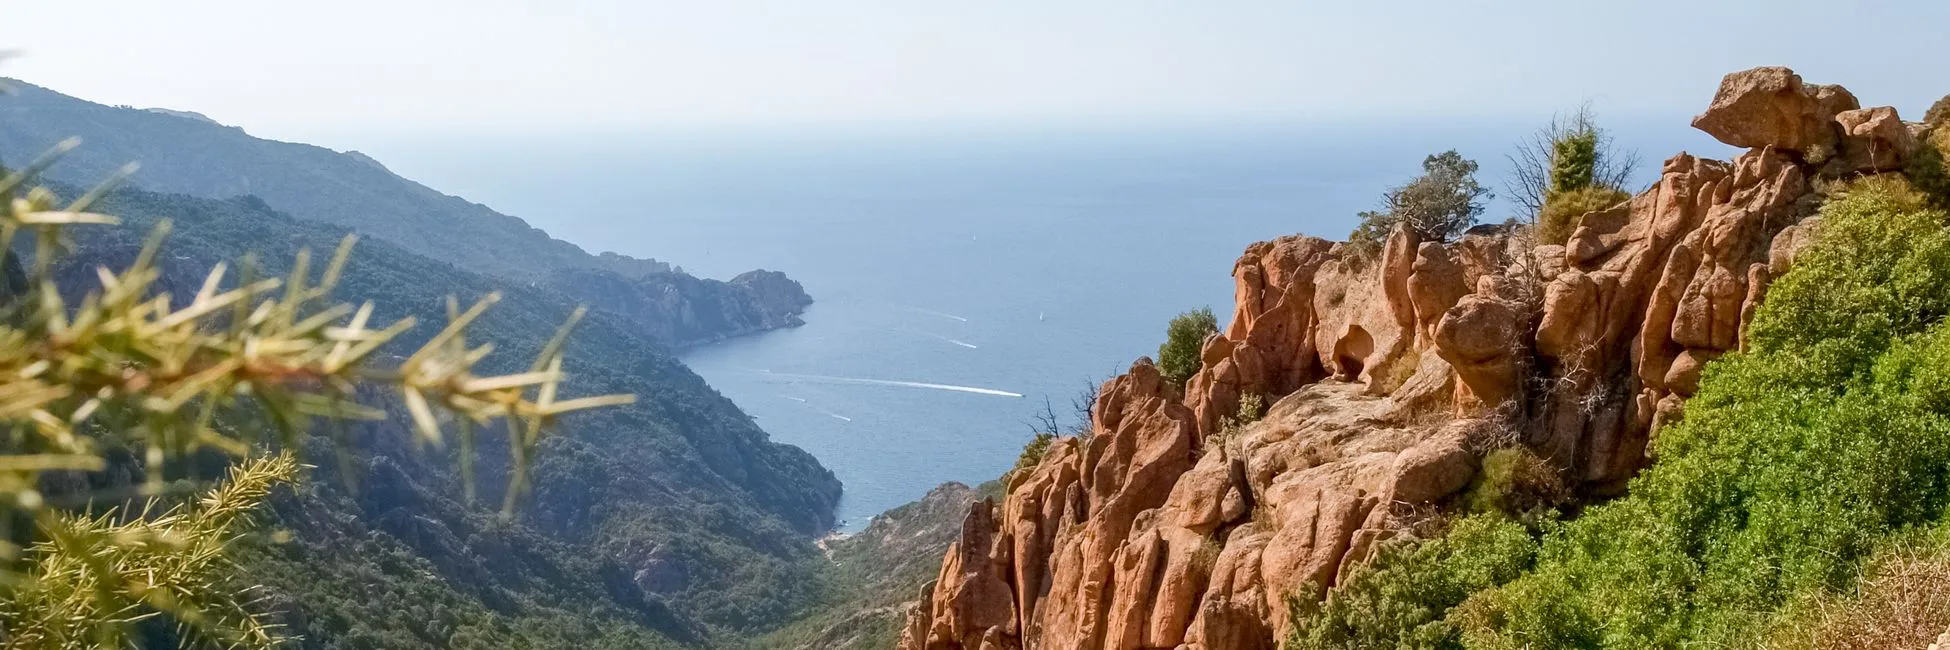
{"points": [[959, 280]]}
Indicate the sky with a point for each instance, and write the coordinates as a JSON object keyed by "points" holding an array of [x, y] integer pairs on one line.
{"points": [[295, 69]]}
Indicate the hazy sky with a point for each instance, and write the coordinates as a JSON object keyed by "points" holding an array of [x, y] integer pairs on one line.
{"points": [[289, 69]]}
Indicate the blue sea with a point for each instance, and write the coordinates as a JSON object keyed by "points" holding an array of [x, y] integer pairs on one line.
{"points": [[962, 276]]}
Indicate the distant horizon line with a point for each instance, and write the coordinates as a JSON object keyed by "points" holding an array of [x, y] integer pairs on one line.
{"points": [[1678, 119], [1418, 117]]}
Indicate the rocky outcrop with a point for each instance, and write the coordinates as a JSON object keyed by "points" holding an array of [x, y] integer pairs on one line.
{"points": [[1171, 527], [1771, 107], [1874, 140], [680, 310], [779, 298]]}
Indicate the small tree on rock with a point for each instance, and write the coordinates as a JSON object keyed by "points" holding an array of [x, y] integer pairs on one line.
{"points": [[1439, 205], [1178, 357], [1569, 154], [1566, 170]]}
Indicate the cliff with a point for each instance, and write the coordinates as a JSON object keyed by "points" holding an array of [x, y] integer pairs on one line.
{"points": [[1390, 379], [187, 153]]}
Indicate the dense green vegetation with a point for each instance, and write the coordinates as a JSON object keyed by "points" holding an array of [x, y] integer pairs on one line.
{"points": [[1178, 356], [1795, 460], [1515, 482], [434, 574], [1400, 598], [672, 519], [1800, 467], [1928, 170]]}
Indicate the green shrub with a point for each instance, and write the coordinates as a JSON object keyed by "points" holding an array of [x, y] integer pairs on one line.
{"points": [[1033, 453], [1877, 273], [1252, 407], [1513, 481], [1795, 461], [1938, 114], [1575, 185], [1574, 162], [1365, 242], [1438, 205], [1562, 212], [1178, 356], [1402, 598], [1569, 154], [1927, 170]]}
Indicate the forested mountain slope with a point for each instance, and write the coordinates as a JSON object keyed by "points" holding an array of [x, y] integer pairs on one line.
{"points": [[674, 519], [188, 154]]}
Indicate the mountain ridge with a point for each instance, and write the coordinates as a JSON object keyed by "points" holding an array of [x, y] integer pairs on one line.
{"points": [[183, 152], [674, 520]]}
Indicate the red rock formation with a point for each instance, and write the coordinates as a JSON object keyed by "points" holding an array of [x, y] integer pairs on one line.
{"points": [[1770, 107], [1169, 529]]}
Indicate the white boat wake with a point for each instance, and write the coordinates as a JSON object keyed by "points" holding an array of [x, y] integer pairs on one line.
{"points": [[959, 342], [839, 417], [903, 384]]}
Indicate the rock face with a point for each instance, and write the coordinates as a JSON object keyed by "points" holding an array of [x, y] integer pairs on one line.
{"points": [[1389, 378]]}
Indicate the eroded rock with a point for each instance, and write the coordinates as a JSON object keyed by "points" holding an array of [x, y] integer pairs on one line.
{"points": [[1387, 378], [1771, 107]]}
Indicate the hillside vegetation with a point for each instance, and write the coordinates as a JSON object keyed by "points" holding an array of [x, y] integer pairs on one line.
{"points": [[674, 519], [1801, 464], [198, 157]]}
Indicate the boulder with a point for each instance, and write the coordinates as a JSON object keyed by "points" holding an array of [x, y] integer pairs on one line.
{"points": [[1435, 285], [1873, 140], [1484, 339], [1771, 107]]}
